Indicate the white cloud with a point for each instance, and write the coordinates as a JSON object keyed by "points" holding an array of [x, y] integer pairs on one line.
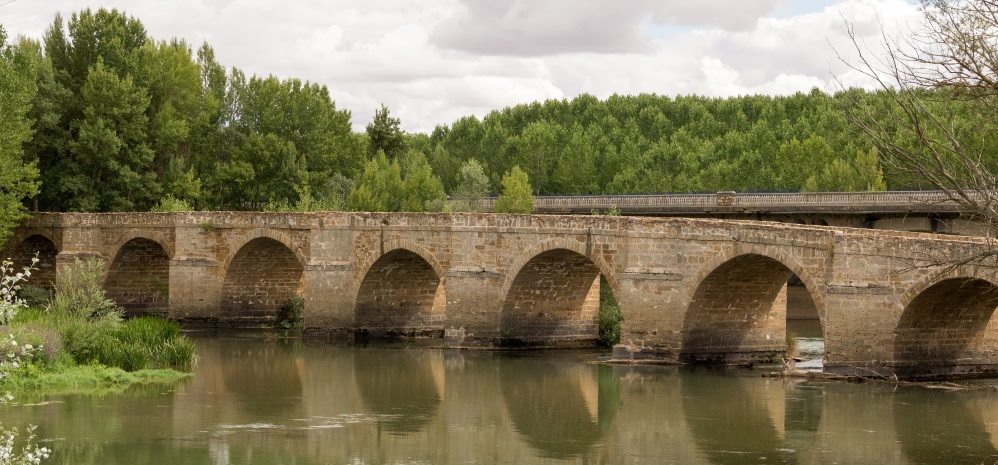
{"points": [[436, 60]]}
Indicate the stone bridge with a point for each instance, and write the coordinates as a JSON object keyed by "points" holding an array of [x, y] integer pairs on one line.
{"points": [[690, 290]]}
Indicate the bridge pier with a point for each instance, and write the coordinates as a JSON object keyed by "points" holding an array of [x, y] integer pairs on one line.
{"points": [[652, 301], [195, 290], [329, 299], [473, 308]]}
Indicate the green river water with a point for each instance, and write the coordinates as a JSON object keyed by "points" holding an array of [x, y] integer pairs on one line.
{"points": [[260, 399]]}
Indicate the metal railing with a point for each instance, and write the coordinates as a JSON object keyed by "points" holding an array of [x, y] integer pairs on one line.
{"points": [[731, 202]]}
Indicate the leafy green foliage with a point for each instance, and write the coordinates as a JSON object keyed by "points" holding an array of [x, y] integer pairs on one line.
{"points": [[472, 187], [136, 344], [389, 186], [18, 177], [292, 313], [80, 295], [422, 191], [384, 134], [379, 187], [516, 196], [172, 204], [609, 317], [124, 120]]}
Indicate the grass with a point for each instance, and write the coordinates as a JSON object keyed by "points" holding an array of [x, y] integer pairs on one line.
{"points": [[76, 378], [79, 354]]}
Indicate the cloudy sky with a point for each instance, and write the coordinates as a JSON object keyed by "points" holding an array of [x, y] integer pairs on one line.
{"points": [[433, 61]]}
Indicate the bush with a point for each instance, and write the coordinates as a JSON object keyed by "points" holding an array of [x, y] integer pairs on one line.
{"points": [[172, 204], [609, 315], [292, 313], [36, 296], [80, 295]]}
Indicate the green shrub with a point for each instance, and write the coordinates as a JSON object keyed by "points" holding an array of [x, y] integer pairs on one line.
{"points": [[80, 295], [172, 204], [292, 313], [609, 315], [35, 296], [91, 342]]}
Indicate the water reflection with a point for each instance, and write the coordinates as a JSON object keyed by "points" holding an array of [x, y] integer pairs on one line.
{"points": [[270, 383], [561, 410], [259, 401], [738, 420], [403, 387], [940, 427]]}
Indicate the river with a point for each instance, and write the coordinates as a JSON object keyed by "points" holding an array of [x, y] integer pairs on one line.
{"points": [[261, 399]]}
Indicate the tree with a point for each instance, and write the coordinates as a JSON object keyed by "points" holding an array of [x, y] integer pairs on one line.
{"points": [[384, 134], [379, 188], [18, 178], [472, 187], [110, 158], [935, 119], [422, 191], [516, 194]]}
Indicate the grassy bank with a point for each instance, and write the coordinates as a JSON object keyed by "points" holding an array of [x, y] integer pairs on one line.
{"points": [[65, 354], [78, 340]]}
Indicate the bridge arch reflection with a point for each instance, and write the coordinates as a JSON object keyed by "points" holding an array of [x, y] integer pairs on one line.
{"points": [[561, 410]]}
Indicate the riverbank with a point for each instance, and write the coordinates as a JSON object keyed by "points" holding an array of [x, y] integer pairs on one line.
{"points": [[59, 354]]}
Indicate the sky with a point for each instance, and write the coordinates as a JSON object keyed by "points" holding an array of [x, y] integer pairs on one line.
{"points": [[434, 61]]}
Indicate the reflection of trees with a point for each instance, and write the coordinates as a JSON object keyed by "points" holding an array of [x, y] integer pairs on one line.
{"points": [[561, 409], [730, 421], [264, 378], [935, 427], [403, 385]]}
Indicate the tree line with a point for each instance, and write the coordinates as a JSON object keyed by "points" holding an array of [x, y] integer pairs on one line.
{"points": [[99, 116]]}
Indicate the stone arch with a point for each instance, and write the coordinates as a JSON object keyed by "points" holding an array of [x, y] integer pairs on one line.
{"points": [[278, 236], [402, 293], [946, 326], [138, 277], [260, 277], [389, 246], [552, 244], [151, 236], [551, 297], [737, 306], [23, 252]]}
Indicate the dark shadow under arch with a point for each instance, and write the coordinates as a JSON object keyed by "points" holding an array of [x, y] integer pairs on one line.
{"points": [[738, 312], [400, 295], [943, 329], [552, 301], [44, 274], [138, 278], [262, 276]]}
